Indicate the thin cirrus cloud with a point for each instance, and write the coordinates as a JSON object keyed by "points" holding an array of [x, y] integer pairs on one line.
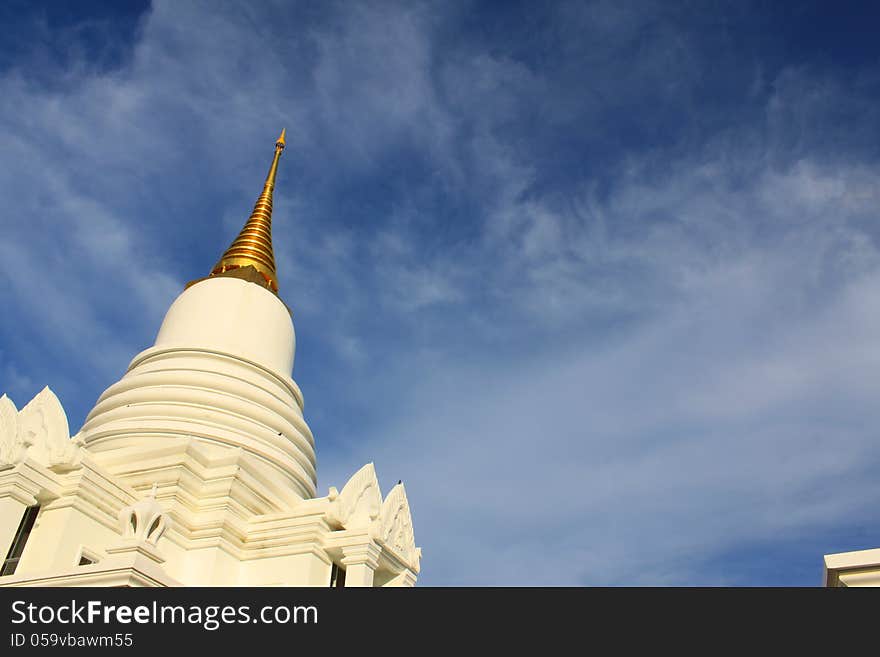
{"points": [[607, 305]]}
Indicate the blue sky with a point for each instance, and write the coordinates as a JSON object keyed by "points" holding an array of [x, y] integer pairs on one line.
{"points": [[599, 281]]}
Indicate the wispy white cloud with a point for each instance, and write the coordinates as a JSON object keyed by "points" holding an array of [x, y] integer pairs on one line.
{"points": [[710, 426]]}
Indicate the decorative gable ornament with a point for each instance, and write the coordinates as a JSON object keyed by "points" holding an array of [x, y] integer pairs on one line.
{"points": [[12, 447], [396, 532], [360, 501], [39, 431]]}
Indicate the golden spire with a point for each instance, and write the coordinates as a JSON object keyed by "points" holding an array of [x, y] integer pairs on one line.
{"points": [[253, 246]]}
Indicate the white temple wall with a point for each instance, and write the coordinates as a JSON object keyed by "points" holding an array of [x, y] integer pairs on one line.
{"points": [[11, 513], [58, 536]]}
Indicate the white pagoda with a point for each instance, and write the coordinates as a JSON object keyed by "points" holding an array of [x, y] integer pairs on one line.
{"points": [[197, 467]]}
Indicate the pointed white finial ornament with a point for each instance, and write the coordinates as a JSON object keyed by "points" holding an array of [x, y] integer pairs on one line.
{"points": [[145, 521], [141, 525]]}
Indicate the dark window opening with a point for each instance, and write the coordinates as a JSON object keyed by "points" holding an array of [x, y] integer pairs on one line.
{"points": [[18, 543], [337, 577], [85, 561]]}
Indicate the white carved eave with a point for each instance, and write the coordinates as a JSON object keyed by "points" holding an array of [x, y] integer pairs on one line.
{"points": [[359, 503], [131, 569]]}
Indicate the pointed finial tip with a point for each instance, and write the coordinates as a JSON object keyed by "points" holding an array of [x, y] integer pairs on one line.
{"points": [[281, 141]]}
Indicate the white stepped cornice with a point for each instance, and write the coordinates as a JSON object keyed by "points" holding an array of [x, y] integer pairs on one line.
{"points": [[30, 482]]}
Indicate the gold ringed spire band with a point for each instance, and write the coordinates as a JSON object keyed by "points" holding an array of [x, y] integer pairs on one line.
{"points": [[253, 246]]}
